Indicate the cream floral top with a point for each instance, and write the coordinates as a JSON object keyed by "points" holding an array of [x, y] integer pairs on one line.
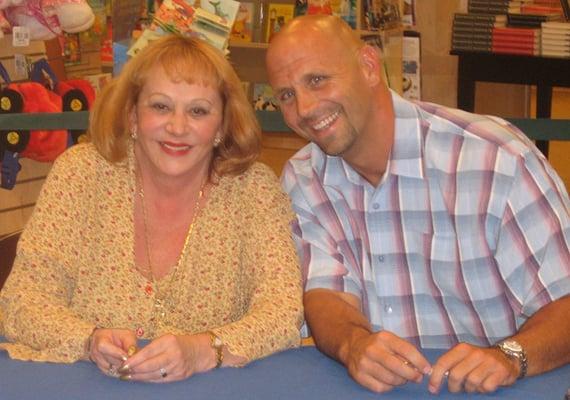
{"points": [[75, 268]]}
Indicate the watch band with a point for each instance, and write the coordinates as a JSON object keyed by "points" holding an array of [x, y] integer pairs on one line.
{"points": [[514, 350], [217, 344]]}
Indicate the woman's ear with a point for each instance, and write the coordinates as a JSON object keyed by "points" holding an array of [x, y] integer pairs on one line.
{"points": [[132, 120], [370, 63]]}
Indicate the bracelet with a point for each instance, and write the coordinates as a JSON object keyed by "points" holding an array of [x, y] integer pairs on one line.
{"points": [[217, 344], [89, 344]]}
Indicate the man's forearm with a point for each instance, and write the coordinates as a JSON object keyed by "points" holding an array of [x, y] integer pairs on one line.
{"points": [[335, 321], [546, 337]]}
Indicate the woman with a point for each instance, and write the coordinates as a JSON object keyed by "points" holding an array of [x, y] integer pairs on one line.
{"points": [[162, 228]]}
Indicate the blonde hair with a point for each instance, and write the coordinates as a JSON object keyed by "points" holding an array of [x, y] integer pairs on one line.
{"points": [[195, 62]]}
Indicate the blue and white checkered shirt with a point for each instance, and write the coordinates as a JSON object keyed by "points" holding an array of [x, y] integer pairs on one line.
{"points": [[465, 238]]}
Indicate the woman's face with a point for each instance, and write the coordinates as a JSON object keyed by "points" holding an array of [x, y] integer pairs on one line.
{"points": [[176, 125]]}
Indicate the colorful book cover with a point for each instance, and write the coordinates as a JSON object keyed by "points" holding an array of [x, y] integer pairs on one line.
{"points": [[381, 14], [242, 31], [320, 7], [345, 9], [71, 49], [263, 98], [226, 10], [300, 7], [278, 15]]}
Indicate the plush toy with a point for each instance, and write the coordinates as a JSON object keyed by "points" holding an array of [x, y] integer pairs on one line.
{"points": [[5, 25], [33, 97], [46, 19]]}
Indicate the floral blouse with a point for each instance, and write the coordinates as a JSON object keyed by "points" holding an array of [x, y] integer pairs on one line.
{"points": [[75, 270]]}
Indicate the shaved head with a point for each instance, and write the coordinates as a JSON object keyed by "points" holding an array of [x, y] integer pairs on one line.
{"points": [[332, 31]]}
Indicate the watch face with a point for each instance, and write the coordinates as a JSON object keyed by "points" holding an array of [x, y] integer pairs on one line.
{"points": [[512, 346]]}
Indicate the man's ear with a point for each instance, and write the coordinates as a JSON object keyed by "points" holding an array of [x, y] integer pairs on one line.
{"points": [[369, 58]]}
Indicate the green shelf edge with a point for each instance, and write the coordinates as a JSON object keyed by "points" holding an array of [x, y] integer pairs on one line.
{"points": [[270, 121]]}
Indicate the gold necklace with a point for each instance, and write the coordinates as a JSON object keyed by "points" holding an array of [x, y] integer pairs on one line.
{"points": [[159, 300]]}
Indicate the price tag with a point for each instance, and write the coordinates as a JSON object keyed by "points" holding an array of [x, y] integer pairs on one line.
{"points": [[21, 66], [20, 36]]}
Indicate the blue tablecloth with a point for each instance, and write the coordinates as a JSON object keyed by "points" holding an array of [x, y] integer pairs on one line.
{"points": [[295, 374]]}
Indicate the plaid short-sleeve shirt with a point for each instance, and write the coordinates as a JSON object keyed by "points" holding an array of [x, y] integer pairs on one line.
{"points": [[466, 236]]}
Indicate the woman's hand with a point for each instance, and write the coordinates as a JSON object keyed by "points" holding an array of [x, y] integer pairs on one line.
{"points": [[170, 358], [108, 348]]}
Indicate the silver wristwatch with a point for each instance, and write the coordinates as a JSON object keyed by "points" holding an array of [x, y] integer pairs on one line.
{"points": [[513, 349]]}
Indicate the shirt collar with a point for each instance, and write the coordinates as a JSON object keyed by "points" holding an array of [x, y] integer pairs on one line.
{"points": [[405, 157]]}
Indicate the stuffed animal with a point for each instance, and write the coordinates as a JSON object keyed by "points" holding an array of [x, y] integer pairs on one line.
{"points": [[46, 19], [5, 25]]}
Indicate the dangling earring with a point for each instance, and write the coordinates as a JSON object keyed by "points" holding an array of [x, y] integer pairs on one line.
{"points": [[217, 141], [134, 135]]}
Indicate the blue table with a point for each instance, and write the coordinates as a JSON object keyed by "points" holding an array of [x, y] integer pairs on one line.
{"points": [[295, 374]]}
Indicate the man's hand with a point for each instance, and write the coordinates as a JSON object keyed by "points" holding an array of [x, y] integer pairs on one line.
{"points": [[380, 361], [473, 369]]}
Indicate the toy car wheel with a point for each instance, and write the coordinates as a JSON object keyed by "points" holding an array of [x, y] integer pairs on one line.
{"points": [[14, 140], [78, 136], [75, 100], [11, 101]]}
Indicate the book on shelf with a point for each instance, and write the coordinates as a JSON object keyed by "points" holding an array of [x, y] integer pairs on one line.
{"points": [[263, 98], [510, 31], [556, 26], [211, 22], [381, 14], [556, 42], [487, 42], [479, 18], [515, 50], [541, 10], [478, 30], [243, 28], [530, 20], [278, 14], [516, 43], [488, 8], [556, 47], [477, 24], [409, 13], [411, 65], [212, 28], [554, 36], [475, 47], [345, 9]]}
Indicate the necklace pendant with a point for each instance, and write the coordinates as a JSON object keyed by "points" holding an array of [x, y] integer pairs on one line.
{"points": [[148, 289], [159, 305]]}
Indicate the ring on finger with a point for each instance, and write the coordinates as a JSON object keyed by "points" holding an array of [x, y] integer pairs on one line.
{"points": [[163, 373], [113, 371], [446, 374]]}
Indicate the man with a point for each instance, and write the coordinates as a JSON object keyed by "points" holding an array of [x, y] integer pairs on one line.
{"points": [[418, 226]]}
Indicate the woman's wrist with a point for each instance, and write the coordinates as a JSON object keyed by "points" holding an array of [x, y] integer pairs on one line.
{"points": [[88, 347]]}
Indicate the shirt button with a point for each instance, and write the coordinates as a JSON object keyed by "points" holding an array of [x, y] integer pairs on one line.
{"points": [[388, 309], [375, 206], [381, 258]]}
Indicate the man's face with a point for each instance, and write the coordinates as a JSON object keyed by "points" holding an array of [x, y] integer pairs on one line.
{"points": [[322, 91]]}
